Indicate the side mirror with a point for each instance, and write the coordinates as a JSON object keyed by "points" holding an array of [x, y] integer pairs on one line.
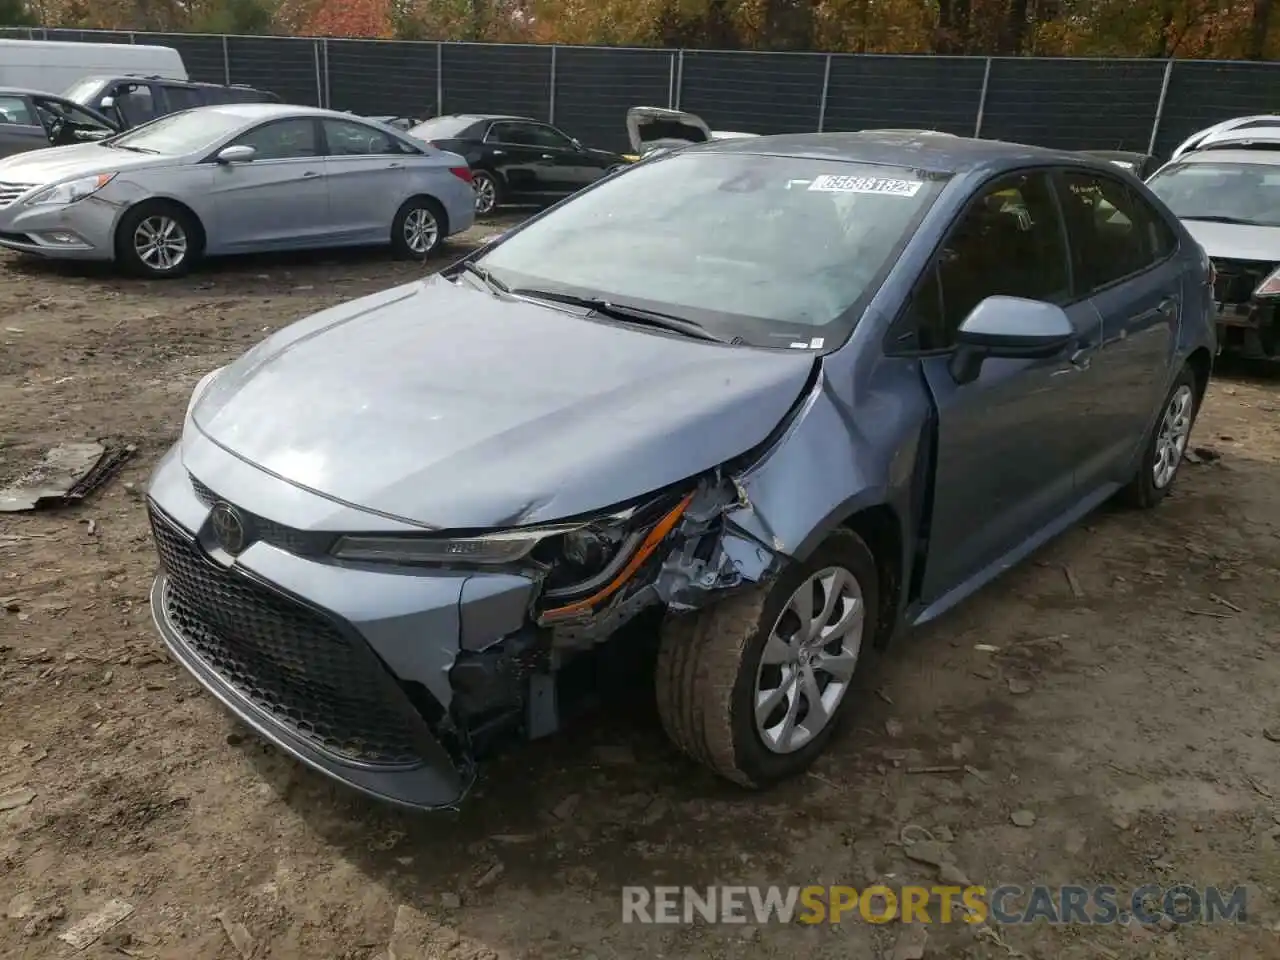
{"points": [[106, 103], [1009, 327], [577, 145], [236, 153]]}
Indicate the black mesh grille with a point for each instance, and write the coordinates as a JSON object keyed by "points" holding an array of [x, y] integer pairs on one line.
{"points": [[291, 663], [1237, 279]]}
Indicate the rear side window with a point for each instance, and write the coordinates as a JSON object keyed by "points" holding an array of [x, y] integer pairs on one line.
{"points": [[136, 103], [1114, 232], [183, 98], [15, 110]]}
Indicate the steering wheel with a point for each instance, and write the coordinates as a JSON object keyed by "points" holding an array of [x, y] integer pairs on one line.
{"points": [[56, 126]]}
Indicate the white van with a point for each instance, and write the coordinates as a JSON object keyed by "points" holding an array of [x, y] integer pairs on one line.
{"points": [[52, 67]]}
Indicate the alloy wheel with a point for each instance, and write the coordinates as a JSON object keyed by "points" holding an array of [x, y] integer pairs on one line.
{"points": [[161, 243], [486, 194], [808, 660], [1171, 441], [421, 231]]}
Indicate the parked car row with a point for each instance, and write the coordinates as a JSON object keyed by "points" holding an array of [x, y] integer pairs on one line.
{"points": [[789, 397]]}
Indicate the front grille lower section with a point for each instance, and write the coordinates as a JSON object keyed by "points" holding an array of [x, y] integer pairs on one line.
{"points": [[9, 192], [1237, 279], [291, 663]]}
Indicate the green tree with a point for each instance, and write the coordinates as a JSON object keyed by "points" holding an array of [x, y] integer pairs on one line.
{"points": [[14, 13]]}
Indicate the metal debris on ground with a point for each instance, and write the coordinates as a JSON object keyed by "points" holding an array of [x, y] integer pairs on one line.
{"points": [[85, 932], [66, 474], [1072, 582]]}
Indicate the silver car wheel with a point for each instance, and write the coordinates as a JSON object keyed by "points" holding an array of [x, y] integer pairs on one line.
{"points": [[808, 661], [486, 193], [160, 242], [421, 230], [1171, 441]]}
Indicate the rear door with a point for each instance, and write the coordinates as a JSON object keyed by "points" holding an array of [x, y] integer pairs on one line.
{"points": [[525, 166], [278, 200], [1124, 258], [367, 180], [1007, 441], [20, 127]]}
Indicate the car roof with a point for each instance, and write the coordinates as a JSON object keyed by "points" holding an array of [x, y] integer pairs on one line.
{"points": [[28, 92], [936, 152], [265, 111], [477, 117], [1228, 155]]}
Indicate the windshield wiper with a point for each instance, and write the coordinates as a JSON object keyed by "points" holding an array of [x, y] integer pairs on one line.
{"points": [[487, 278], [125, 146], [618, 311], [1217, 218]]}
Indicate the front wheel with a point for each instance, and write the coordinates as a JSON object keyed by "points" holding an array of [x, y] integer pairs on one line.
{"points": [[754, 687], [1164, 451], [418, 229], [158, 240]]}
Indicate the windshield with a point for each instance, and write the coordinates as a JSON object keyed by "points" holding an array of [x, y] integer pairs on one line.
{"points": [[443, 128], [83, 91], [180, 133], [776, 250], [1247, 193]]}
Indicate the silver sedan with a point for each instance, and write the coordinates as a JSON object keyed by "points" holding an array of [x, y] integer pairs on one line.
{"points": [[236, 178]]}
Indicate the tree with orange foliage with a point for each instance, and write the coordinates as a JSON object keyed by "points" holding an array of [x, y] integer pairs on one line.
{"points": [[351, 18]]}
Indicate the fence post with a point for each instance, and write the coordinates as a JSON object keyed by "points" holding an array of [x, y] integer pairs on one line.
{"points": [[439, 79], [982, 99], [551, 101], [226, 62], [328, 93], [1164, 92], [671, 82], [315, 58], [826, 83], [679, 78]]}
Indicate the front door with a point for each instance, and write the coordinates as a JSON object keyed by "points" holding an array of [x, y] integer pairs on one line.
{"points": [[1007, 441], [365, 170], [570, 167], [20, 128], [280, 198], [1123, 254], [526, 167]]}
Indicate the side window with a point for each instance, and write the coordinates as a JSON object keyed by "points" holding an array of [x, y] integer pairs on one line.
{"points": [[16, 110], [1008, 243], [346, 139], [136, 103], [549, 137], [282, 140], [1114, 232], [518, 134], [183, 98]]}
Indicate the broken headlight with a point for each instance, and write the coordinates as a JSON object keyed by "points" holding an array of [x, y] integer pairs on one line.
{"points": [[582, 561]]}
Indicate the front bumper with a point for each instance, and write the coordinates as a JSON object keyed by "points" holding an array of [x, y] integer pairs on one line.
{"points": [[346, 669], [84, 230]]}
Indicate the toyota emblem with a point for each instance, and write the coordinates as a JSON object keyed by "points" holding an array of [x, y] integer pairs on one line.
{"points": [[228, 528]]}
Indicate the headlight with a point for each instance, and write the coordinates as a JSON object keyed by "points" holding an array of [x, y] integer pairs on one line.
{"points": [[494, 548], [1269, 287], [63, 193]]}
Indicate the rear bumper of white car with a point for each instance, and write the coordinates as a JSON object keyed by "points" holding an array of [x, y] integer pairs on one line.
{"points": [[83, 230]]}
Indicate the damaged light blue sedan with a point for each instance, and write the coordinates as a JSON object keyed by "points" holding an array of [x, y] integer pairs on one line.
{"points": [[781, 397]]}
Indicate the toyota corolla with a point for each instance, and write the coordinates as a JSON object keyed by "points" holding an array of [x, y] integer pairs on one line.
{"points": [[789, 395]]}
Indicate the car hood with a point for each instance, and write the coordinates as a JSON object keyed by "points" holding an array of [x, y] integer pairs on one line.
{"points": [[448, 407], [1234, 241], [53, 164]]}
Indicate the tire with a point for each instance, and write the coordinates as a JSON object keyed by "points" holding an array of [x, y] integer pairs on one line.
{"points": [[488, 192], [418, 229], [710, 666], [1168, 442], [158, 240]]}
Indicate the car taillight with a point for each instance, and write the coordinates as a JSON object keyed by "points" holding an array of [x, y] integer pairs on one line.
{"points": [[1269, 287], [462, 173]]}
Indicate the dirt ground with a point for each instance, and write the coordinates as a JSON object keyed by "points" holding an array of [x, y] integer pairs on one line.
{"points": [[1131, 706]]}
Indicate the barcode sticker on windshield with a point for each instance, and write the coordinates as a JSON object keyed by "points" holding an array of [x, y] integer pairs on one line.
{"points": [[831, 183]]}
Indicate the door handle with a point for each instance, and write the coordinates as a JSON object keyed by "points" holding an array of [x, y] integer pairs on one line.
{"points": [[548, 156], [394, 166], [308, 174], [499, 153], [1168, 306]]}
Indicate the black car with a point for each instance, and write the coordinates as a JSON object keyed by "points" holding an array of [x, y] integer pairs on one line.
{"points": [[132, 101], [517, 160], [31, 120]]}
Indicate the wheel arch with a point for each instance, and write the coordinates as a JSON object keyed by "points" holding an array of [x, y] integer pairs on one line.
{"points": [[1201, 363], [202, 234], [441, 210], [880, 528]]}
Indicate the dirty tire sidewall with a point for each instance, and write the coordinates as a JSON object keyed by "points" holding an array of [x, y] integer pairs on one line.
{"points": [[1142, 492], [399, 245], [127, 255], [706, 670]]}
